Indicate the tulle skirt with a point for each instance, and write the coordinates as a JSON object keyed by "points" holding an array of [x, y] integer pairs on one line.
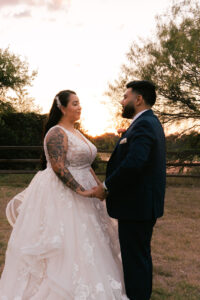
{"points": [[63, 245]]}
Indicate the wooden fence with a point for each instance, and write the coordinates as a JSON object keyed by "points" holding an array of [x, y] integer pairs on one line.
{"points": [[39, 149]]}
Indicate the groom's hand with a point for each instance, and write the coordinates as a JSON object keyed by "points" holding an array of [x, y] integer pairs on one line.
{"points": [[99, 192]]}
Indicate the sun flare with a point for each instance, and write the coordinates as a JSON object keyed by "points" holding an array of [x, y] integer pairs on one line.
{"points": [[96, 119]]}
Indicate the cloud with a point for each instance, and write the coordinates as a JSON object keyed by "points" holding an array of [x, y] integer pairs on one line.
{"points": [[23, 14], [49, 4], [13, 2], [56, 4], [121, 27], [80, 24]]}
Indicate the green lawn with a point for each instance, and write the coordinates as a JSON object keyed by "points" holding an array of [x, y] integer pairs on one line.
{"points": [[175, 245]]}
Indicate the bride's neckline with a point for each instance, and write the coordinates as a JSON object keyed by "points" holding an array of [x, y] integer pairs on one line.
{"points": [[82, 138]]}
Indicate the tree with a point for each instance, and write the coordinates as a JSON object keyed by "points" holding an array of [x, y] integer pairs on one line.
{"points": [[15, 77], [22, 102], [6, 107], [171, 61]]}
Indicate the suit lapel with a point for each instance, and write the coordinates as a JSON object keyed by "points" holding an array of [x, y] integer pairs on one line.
{"points": [[146, 113], [149, 112]]}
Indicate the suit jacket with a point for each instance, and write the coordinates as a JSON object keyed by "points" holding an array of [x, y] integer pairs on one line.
{"points": [[136, 171]]}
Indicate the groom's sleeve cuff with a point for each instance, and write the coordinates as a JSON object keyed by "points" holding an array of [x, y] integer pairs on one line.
{"points": [[104, 185]]}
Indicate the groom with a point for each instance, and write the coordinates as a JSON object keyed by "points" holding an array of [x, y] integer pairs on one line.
{"points": [[135, 184]]}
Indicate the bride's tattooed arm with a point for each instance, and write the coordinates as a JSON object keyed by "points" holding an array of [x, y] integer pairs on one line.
{"points": [[57, 144]]}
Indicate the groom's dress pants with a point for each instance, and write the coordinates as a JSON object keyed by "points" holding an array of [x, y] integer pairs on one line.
{"points": [[135, 242]]}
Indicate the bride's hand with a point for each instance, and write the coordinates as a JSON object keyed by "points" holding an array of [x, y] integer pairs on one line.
{"points": [[87, 193]]}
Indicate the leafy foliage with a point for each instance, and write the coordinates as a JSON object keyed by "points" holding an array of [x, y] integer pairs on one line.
{"points": [[15, 77], [171, 61], [14, 72]]}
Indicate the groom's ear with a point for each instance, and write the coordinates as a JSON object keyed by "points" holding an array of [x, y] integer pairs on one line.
{"points": [[139, 100]]}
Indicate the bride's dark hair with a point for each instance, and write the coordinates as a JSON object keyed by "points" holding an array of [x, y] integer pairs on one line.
{"points": [[54, 116]]}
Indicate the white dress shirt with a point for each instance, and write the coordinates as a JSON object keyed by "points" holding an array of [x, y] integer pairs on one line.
{"points": [[139, 114]]}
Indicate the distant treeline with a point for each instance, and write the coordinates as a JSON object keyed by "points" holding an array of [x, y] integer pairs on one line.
{"points": [[26, 129], [20, 129]]}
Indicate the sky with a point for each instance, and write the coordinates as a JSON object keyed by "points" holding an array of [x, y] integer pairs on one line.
{"points": [[78, 45]]}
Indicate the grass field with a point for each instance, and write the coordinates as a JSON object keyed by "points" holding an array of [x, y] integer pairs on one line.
{"points": [[175, 245]]}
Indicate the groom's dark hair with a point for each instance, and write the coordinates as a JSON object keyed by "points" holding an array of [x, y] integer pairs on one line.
{"points": [[145, 88]]}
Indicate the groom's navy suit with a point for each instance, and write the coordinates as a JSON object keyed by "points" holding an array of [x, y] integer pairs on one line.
{"points": [[135, 178]]}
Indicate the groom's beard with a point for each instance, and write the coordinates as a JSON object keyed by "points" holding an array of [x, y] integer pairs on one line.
{"points": [[128, 111]]}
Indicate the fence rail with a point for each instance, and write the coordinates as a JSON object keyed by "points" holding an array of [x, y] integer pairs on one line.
{"points": [[36, 160], [39, 148]]}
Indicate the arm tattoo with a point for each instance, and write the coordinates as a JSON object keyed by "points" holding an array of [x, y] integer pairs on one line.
{"points": [[57, 150]]}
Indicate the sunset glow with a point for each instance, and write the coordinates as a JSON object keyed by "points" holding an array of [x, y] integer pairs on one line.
{"points": [[78, 45], [96, 119]]}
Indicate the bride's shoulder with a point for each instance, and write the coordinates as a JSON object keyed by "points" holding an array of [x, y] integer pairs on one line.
{"points": [[56, 132]]}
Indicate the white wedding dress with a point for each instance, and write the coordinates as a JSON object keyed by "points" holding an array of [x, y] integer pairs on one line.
{"points": [[63, 246]]}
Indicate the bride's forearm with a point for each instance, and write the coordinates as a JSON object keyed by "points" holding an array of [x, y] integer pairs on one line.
{"points": [[66, 177]]}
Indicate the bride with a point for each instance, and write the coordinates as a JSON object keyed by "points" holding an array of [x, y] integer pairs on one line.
{"points": [[63, 245]]}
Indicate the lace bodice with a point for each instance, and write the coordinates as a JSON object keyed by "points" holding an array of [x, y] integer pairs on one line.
{"points": [[81, 152]]}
